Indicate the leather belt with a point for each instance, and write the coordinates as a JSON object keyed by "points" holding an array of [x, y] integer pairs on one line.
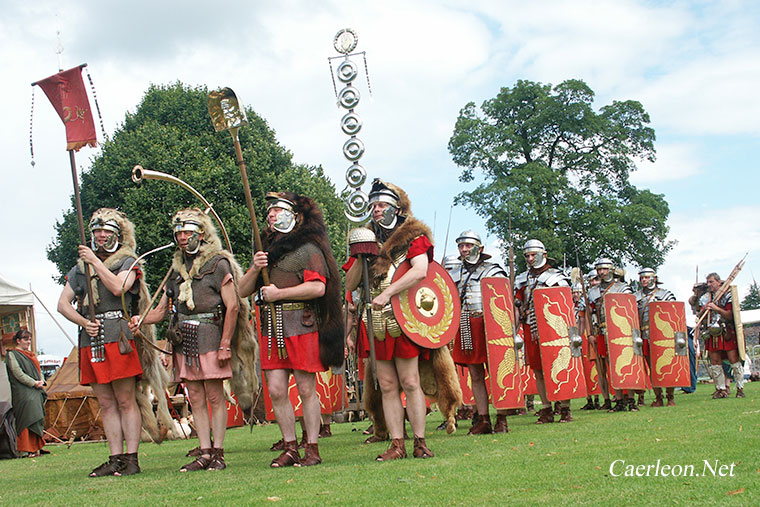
{"points": [[201, 318], [110, 315], [293, 306]]}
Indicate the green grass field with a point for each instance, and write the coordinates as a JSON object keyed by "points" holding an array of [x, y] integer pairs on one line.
{"points": [[551, 464]]}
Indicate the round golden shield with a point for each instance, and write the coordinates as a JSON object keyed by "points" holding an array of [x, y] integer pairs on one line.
{"points": [[428, 313]]}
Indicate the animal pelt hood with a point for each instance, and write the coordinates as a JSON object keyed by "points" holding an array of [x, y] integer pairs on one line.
{"points": [[404, 204], [244, 346], [127, 234], [402, 235], [310, 228]]}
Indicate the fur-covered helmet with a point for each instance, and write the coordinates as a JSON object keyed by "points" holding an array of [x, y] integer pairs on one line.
{"points": [[115, 221], [197, 222], [383, 191]]}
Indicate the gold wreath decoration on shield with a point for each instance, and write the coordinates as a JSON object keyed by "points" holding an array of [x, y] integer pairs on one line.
{"points": [[432, 333]]}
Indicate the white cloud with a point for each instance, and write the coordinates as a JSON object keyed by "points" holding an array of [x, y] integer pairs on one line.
{"points": [[675, 161]]}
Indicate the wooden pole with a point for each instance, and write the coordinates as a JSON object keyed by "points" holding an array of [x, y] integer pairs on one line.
{"points": [[82, 239]]}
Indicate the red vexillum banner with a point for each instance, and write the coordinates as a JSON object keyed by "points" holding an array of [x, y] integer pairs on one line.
{"points": [[68, 95]]}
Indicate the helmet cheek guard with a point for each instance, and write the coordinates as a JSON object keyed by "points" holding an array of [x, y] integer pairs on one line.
{"points": [[474, 254], [193, 243], [389, 217], [285, 222]]}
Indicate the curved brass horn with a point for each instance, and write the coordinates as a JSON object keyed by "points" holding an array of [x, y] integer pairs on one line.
{"points": [[139, 173]]}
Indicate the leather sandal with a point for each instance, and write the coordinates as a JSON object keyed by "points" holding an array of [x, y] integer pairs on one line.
{"points": [[375, 438], [620, 406], [397, 450], [564, 415], [325, 431], [110, 467], [311, 456], [545, 416], [421, 450], [483, 427], [370, 430], [278, 446], [200, 462], [658, 402], [632, 405], [589, 405], [739, 394], [130, 465], [671, 400], [501, 424], [289, 456], [196, 451], [607, 405], [302, 445], [217, 459]]}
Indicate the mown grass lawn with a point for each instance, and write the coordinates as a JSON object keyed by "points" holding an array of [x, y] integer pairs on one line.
{"points": [[552, 464]]}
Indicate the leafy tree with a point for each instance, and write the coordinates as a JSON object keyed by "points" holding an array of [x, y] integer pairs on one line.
{"points": [[171, 132], [752, 300], [560, 171]]}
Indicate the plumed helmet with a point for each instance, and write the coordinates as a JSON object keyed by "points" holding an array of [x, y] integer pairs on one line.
{"points": [[115, 221], [534, 246]]}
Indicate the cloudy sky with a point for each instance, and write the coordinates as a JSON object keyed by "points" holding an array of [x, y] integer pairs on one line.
{"points": [[692, 64]]}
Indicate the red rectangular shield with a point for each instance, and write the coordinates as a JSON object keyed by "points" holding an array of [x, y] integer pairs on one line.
{"points": [[527, 379], [623, 335], [561, 353], [498, 318], [667, 344]]}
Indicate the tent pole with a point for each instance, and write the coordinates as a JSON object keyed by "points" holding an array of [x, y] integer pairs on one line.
{"points": [[54, 319]]}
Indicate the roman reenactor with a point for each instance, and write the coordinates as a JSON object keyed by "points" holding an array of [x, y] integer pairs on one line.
{"points": [[539, 274], [598, 337], [400, 237], [469, 346], [110, 361], [302, 326], [649, 292], [211, 337], [720, 337]]}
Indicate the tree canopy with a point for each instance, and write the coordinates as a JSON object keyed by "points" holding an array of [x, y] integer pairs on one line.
{"points": [[752, 300], [560, 171], [171, 132]]}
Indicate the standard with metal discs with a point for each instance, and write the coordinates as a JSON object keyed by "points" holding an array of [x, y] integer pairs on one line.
{"points": [[349, 97], [347, 71], [356, 175], [351, 124], [345, 41], [353, 149], [358, 201]]}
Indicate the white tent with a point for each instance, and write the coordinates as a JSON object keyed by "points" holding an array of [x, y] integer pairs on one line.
{"points": [[16, 310]]}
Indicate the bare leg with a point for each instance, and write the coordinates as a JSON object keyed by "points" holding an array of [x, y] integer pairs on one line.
{"points": [[393, 410], [277, 383], [109, 414], [409, 378], [197, 392], [478, 376], [129, 412], [541, 387], [215, 395], [306, 383]]}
